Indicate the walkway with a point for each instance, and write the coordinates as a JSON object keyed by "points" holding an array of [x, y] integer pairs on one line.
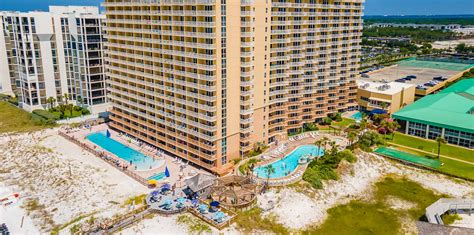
{"points": [[435, 210], [441, 156]]}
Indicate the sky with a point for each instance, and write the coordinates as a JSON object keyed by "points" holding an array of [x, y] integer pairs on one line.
{"points": [[372, 7]]}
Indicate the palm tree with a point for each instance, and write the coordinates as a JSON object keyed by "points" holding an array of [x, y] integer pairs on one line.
{"points": [[269, 169], [79, 100], [325, 141], [394, 127], [66, 97], [318, 143], [352, 135], [440, 140], [333, 147], [51, 101]]}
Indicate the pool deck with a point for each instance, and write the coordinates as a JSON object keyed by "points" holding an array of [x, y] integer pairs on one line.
{"points": [[178, 171]]}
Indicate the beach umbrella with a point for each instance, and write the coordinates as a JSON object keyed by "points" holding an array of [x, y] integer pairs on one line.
{"points": [[194, 201], [107, 134], [214, 203], [167, 172], [152, 181]]}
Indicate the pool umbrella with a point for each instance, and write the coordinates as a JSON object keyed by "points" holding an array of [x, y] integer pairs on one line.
{"points": [[215, 204], [165, 187], [167, 172], [155, 193], [107, 134]]}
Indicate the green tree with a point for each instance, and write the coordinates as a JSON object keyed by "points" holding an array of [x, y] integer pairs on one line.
{"points": [[269, 169], [318, 143], [66, 97], [440, 140], [79, 100], [351, 136], [51, 101]]}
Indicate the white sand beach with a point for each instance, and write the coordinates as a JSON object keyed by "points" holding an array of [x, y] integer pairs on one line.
{"points": [[297, 210], [63, 180]]}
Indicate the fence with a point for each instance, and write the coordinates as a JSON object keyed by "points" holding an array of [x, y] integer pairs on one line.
{"points": [[104, 157]]}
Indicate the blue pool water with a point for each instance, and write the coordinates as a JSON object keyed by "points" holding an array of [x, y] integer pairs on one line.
{"points": [[357, 116], [141, 161], [289, 162], [157, 176]]}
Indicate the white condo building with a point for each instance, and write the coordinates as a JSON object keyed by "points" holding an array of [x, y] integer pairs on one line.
{"points": [[49, 54]]}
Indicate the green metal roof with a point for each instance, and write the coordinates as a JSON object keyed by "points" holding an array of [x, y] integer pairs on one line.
{"points": [[450, 108]]}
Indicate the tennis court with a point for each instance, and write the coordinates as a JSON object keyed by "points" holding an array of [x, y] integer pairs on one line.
{"points": [[408, 157], [435, 65]]}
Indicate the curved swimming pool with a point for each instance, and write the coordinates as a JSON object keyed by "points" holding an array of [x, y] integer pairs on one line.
{"points": [[138, 159], [288, 164]]}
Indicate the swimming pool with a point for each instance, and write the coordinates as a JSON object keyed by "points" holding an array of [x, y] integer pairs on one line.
{"points": [[157, 176], [289, 163], [138, 159], [357, 116]]}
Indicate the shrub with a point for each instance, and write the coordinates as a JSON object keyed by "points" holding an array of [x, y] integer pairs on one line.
{"points": [[85, 111], [369, 139], [324, 168], [326, 121], [46, 115], [310, 127]]}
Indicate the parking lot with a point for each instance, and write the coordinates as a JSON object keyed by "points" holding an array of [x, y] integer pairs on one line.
{"points": [[423, 75]]}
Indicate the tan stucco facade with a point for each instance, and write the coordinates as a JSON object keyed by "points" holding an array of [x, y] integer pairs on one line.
{"points": [[207, 79]]}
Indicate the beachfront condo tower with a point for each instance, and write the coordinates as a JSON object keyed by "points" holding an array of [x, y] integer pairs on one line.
{"points": [[45, 55], [209, 80]]}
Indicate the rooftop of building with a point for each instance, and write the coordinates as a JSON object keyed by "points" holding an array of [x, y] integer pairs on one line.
{"points": [[424, 71], [390, 88], [451, 108]]}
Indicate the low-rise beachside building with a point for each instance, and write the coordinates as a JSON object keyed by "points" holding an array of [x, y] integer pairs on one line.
{"points": [[49, 54], [449, 114], [390, 97]]}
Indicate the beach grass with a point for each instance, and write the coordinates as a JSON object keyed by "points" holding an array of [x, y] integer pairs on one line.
{"points": [[195, 225], [14, 119], [252, 220], [376, 216], [450, 218], [136, 200]]}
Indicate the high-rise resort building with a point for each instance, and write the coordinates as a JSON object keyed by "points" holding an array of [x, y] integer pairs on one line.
{"points": [[207, 80], [49, 54]]}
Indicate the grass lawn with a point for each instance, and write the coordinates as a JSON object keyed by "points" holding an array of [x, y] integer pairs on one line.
{"points": [[377, 217], [449, 166], [431, 146], [344, 123], [14, 119]]}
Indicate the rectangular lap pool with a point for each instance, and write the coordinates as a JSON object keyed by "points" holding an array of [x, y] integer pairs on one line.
{"points": [[140, 161], [288, 164]]}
